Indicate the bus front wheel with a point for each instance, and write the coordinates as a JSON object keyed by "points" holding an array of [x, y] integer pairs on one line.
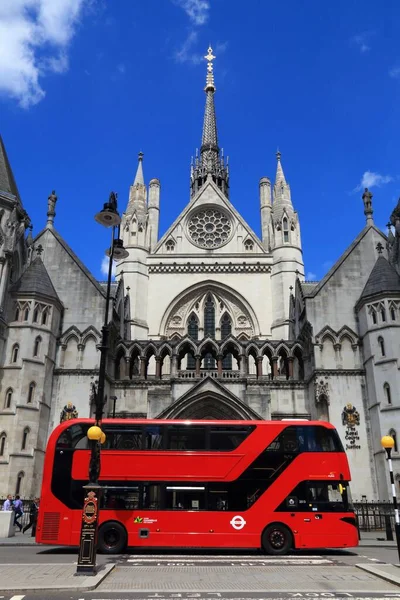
{"points": [[112, 538], [276, 539]]}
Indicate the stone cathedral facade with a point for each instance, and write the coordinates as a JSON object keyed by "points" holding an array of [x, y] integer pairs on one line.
{"points": [[209, 321]]}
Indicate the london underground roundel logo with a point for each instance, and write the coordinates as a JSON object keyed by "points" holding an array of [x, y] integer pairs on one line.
{"points": [[238, 522]]}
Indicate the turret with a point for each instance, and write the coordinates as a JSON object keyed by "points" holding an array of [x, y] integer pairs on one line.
{"points": [[154, 212], [266, 208], [286, 251]]}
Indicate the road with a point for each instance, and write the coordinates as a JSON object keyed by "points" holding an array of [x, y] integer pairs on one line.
{"points": [[223, 575]]}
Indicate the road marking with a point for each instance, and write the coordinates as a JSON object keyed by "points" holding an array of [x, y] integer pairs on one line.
{"points": [[17, 597]]}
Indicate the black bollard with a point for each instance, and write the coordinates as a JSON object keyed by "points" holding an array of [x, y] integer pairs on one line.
{"points": [[389, 530]]}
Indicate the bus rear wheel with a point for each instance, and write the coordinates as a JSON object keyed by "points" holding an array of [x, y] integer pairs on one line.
{"points": [[276, 539], [112, 538]]}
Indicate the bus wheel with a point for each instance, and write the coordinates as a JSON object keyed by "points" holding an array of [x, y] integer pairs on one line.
{"points": [[112, 538], [276, 539]]}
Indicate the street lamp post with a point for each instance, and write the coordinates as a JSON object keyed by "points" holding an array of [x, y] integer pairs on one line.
{"points": [[109, 217], [388, 443]]}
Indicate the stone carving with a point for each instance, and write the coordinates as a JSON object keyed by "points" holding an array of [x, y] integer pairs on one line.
{"points": [[68, 412], [210, 228], [350, 416], [213, 268], [322, 390]]}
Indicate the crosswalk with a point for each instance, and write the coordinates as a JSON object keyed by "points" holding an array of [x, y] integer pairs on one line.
{"points": [[197, 560]]}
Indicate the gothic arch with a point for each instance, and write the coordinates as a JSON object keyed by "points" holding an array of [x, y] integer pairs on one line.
{"points": [[209, 406], [187, 299]]}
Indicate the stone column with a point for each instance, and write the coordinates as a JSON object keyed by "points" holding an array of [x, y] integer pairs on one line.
{"points": [[5, 271], [290, 367], [198, 364], [274, 361], [174, 365], [259, 360], [158, 367], [219, 365], [243, 365], [142, 367]]}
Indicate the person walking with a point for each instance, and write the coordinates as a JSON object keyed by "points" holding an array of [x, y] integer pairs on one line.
{"points": [[8, 504], [18, 512], [33, 515]]}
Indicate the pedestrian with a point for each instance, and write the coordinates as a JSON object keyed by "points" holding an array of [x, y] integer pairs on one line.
{"points": [[8, 504], [18, 512], [33, 515]]}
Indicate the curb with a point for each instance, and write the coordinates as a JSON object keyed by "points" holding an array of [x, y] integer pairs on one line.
{"points": [[103, 572], [377, 571]]}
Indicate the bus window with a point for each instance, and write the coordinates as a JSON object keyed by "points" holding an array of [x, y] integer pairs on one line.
{"points": [[153, 437], [120, 498], [123, 438], [218, 494], [228, 438], [185, 497], [317, 496], [299, 438], [151, 496], [186, 437]]}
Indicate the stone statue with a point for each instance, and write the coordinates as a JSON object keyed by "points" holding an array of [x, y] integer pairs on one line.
{"points": [[68, 412]]}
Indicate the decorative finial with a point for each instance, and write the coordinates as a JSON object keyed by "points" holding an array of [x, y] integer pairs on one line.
{"points": [[291, 288], [278, 155], [368, 212], [51, 206], [210, 75], [39, 250], [379, 247], [140, 156]]}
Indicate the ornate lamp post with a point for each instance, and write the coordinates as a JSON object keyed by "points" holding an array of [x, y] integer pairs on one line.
{"points": [[109, 217], [388, 443]]}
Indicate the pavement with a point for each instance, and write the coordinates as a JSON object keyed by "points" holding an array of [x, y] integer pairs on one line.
{"points": [[32, 571]]}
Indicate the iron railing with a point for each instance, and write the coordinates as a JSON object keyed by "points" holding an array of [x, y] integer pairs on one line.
{"points": [[374, 516]]}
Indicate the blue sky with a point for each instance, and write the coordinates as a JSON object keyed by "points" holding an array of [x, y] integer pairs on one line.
{"points": [[86, 84]]}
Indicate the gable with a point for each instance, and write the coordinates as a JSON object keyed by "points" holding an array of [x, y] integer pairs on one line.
{"points": [[209, 224], [80, 293]]}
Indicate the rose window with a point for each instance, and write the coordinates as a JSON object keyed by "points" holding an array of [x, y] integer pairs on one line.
{"points": [[210, 228]]}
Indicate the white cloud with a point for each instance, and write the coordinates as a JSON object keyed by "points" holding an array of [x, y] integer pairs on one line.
{"points": [[185, 53], [361, 40], [105, 263], [394, 72], [196, 10], [370, 179], [311, 276], [34, 38]]}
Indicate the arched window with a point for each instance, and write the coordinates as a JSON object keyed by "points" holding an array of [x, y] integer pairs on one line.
{"points": [[25, 438], [17, 313], [31, 392], [36, 315], [193, 332], [8, 400], [209, 329], [170, 246], [36, 347], [393, 434], [285, 228], [392, 314], [381, 346], [373, 315], [383, 314], [388, 395], [20, 478], [26, 313], [226, 329], [249, 245], [3, 438], [45, 314], [14, 353]]}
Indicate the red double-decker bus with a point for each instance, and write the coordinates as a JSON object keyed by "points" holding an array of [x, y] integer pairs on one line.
{"points": [[211, 484]]}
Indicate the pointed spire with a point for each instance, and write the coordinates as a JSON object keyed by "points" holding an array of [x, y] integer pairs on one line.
{"points": [[138, 193], [280, 177], [7, 181], [210, 163], [139, 178]]}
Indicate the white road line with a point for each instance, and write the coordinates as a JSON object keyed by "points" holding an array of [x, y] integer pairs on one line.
{"points": [[211, 556], [17, 597]]}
